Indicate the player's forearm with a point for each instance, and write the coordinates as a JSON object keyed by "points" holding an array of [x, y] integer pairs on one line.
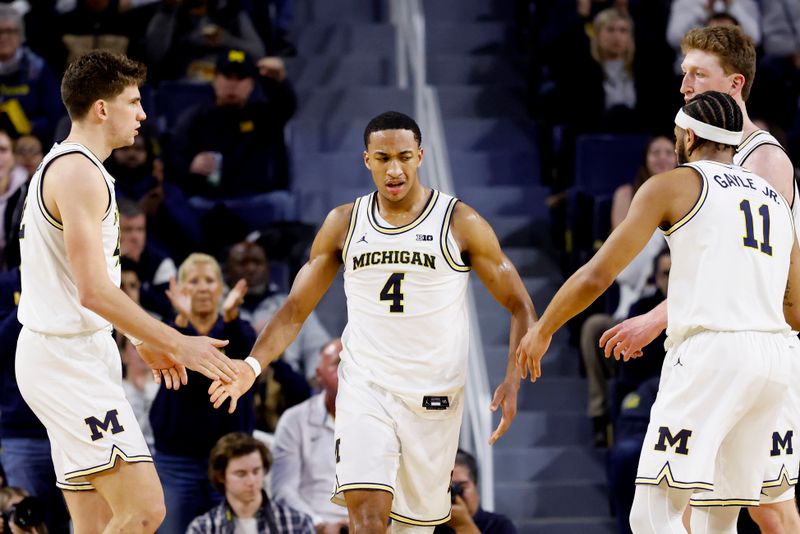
{"points": [[658, 316], [111, 303], [522, 318], [577, 293]]}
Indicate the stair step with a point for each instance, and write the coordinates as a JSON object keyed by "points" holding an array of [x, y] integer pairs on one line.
{"points": [[468, 10], [341, 72], [467, 101], [497, 166], [560, 361], [533, 262], [343, 38], [507, 200], [554, 394], [468, 38], [354, 103], [535, 428], [572, 498], [551, 463], [459, 69], [567, 525], [520, 231], [505, 133]]}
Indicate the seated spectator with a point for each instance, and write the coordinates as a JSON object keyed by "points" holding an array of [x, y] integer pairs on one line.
{"points": [[13, 179], [235, 147], [25, 453], [140, 388], [21, 512], [659, 156], [101, 24], [248, 260], [185, 425], [184, 38], [237, 466], [30, 98], [689, 14], [467, 515], [304, 468], [28, 153], [155, 268], [623, 456], [139, 177]]}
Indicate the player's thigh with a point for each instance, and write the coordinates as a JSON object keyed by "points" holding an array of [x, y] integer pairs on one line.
{"points": [[88, 510], [130, 488]]}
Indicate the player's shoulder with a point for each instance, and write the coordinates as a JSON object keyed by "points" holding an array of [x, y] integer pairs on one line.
{"points": [[73, 166]]}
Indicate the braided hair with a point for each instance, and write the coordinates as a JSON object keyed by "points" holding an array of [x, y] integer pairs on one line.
{"points": [[715, 109]]}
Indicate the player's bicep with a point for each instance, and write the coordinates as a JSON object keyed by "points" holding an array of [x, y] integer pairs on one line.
{"points": [[316, 276], [644, 217], [771, 163], [488, 261], [82, 199]]}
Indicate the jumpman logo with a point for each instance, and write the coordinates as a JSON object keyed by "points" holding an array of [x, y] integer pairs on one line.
{"points": [[678, 362], [363, 239]]}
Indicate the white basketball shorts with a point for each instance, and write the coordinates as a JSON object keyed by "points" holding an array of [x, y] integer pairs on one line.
{"points": [[74, 386], [382, 443], [719, 399]]}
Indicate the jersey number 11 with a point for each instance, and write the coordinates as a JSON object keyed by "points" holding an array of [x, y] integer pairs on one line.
{"points": [[750, 239]]}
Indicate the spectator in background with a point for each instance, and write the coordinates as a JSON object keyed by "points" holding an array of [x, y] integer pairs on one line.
{"points": [[30, 98], [467, 515], [12, 181], [659, 156], [248, 260], [139, 177], [184, 38], [237, 466], [140, 388], [25, 452], [235, 146], [305, 467], [185, 425], [155, 268], [688, 14], [28, 153], [100, 24]]}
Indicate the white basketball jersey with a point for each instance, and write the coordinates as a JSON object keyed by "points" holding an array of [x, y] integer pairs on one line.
{"points": [[49, 303], [408, 326], [748, 146], [730, 256]]}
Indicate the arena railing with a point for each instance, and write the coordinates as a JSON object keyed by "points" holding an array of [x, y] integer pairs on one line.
{"points": [[409, 20]]}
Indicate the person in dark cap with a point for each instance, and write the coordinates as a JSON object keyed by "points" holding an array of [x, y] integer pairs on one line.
{"points": [[234, 147]]}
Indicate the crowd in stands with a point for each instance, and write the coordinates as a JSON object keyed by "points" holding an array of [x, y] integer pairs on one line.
{"points": [[197, 196]]}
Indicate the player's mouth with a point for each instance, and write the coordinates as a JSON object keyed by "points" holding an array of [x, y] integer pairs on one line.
{"points": [[394, 187]]}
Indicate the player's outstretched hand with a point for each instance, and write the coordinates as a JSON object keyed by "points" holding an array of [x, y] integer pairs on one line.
{"points": [[173, 373], [220, 391], [201, 354], [627, 339], [530, 352], [505, 398]]}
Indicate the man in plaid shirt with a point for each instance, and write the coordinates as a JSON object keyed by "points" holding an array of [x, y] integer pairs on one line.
{"points": [[236, 468]]}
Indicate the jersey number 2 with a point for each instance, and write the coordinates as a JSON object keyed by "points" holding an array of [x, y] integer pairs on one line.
{"points": [[750, 239], [393, 291]]}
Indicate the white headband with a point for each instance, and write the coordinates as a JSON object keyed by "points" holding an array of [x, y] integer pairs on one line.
{"points": [[707, 131]]}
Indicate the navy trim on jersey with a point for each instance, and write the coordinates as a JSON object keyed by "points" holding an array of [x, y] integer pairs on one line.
{"points": [[351, 226], [701, 199], [373, 220], [449, 258]]}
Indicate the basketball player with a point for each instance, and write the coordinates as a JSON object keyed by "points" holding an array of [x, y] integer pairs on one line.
{"points": [[723, 59], [68, 366], [727, 370], [407, 251]]}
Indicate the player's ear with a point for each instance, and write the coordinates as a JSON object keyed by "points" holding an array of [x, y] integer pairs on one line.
{"points": [[100, 109], [419, 158], [737, 84], [366, 159]]}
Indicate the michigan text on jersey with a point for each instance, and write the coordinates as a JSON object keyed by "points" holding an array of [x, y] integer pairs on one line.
{"points": [[404, 257]]}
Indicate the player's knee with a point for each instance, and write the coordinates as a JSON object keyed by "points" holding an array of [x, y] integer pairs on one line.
{"points": [[772, 521], [145, 515], [640, 521], [368, 522]]}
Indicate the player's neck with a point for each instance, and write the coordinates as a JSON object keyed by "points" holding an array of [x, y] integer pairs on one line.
{"points": [[748, 126], [92, 138], [405, 210], [708, 152]]}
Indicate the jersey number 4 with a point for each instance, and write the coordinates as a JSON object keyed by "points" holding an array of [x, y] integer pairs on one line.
{"points": [[393, 292], [750, 239]]}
